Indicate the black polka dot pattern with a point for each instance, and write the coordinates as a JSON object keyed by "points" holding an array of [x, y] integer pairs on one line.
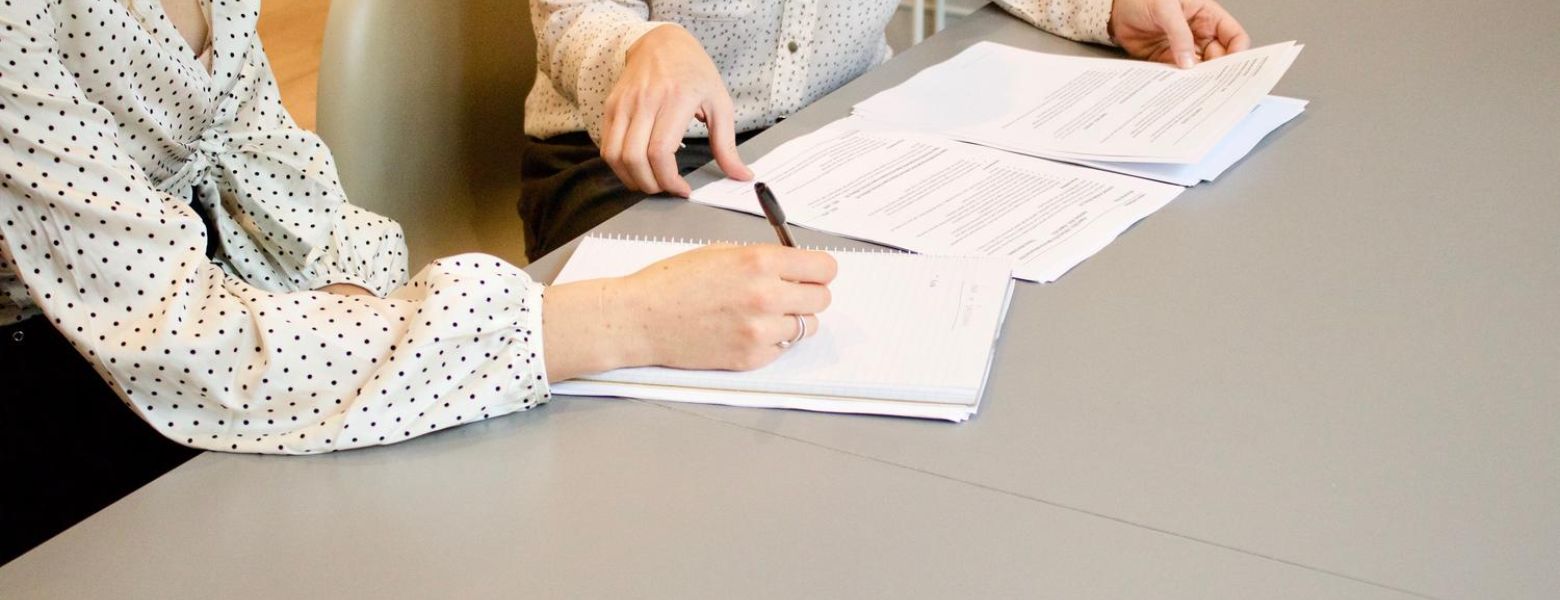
{"points": [[776, 57], [110, 128]]}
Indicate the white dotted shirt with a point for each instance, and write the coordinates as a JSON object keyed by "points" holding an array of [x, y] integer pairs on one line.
{"points": [[110, 128], [776, 57]]}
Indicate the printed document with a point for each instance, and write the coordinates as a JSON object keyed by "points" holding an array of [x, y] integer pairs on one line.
{"points": [[1075, 108], [934, 195], [1273, 112]]}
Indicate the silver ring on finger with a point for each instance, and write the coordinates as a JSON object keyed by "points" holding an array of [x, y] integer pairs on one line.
{"points": [[801, 332]]}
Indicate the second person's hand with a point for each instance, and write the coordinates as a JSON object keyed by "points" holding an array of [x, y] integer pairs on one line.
{"points": [[667, 81], [1180, 32]]}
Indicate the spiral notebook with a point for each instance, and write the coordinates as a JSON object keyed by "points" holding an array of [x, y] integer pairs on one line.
{"points": [[906, 335]]}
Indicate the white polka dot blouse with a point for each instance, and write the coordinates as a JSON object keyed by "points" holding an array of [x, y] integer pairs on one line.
{"points": [[172, 222], [775, 57]]}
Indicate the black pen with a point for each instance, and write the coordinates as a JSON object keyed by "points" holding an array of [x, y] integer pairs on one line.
{"points": [[766, 199]]}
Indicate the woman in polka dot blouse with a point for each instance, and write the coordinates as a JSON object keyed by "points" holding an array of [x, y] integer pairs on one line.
{"points": [[631, 94], [175, 251]]}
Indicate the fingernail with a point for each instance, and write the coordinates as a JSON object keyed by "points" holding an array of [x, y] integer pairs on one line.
{"points": [[1186, 60]]}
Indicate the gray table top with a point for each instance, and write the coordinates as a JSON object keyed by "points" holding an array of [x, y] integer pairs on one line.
{"points": [[1333, 373]]}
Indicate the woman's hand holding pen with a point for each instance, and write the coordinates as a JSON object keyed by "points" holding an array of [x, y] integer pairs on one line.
{"points": [[667, 81], [1180, 32], [718, 307]]}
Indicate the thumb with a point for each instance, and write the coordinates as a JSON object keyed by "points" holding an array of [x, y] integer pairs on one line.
{"points": [[723, 139], [1172, 21]]}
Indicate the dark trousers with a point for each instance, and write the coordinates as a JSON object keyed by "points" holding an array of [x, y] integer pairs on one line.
{"points": [[68, 446], [566, 188]]}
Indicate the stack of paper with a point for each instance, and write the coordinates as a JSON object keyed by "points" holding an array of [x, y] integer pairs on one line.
{"points": [[906, 335], [898, 172], [1270, 114], [1141, 118], [931, 194]]}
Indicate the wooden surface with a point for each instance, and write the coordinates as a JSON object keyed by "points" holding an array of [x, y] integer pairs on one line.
{"points": [[292, 31]]}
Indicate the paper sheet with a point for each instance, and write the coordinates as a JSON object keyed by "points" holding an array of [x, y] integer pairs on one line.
{"points": [[934, 195], [1084, 108]]}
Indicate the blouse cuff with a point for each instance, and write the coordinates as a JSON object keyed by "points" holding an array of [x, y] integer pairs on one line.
{"points": [[366, 250], [515, 306], [530, 357], [1094, 28]]}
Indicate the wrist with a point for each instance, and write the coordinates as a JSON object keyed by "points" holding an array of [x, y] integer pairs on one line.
{"points": [[588, 330], [650, 40], [627, 324]]}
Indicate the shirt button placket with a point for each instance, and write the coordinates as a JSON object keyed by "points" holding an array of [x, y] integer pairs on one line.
{"points": [[790, 77]]}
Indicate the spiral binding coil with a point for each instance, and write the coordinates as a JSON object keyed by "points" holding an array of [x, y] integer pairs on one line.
{"points": [[630, 237]]}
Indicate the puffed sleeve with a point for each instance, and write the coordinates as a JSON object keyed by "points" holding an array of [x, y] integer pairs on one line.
{"points": [[1081, 20], [209, 360], [582, 46]]}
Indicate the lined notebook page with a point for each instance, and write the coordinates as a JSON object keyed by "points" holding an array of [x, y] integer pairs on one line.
{"points": [[901, 327]]}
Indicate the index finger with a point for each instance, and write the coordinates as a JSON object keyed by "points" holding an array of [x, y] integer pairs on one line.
{"points": [[723, 138], [1171, 20]]}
